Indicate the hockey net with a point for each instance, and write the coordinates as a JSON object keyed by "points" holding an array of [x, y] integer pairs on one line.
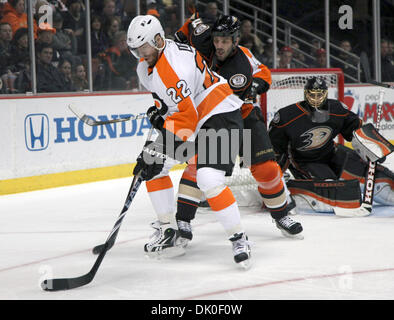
{"points": [[287, 88]]}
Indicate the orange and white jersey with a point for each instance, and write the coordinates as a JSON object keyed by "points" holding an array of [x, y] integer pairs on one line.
{"points": [[192, 92], [259, 70]]}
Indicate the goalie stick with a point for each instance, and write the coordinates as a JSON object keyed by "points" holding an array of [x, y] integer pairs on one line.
{"points": [[71, 283], [91, 122]]}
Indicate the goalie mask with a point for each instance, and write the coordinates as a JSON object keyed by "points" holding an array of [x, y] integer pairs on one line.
{"points": [[315, 94]]}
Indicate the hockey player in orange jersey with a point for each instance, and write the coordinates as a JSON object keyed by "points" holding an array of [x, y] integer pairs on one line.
{"points": [[189, 98], [247, 77]]}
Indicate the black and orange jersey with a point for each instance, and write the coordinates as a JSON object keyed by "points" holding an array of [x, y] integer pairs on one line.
{"points": [[240, 69], [292, 127]]}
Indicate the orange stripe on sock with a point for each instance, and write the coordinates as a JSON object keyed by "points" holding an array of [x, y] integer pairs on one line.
{"points": [[190, 172], [159, 184], [268, 176], [222, 201]]}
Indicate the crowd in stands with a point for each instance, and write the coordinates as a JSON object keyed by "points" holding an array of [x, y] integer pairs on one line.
{"points": [[60, 47]]}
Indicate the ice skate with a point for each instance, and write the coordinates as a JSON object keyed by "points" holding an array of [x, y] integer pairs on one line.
{"points": [[163, 242], [289, 227], [185, 233], [241, 250]]}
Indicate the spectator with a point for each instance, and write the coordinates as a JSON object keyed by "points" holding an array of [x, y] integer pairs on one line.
{"points": [[19, 49], [386, 64], [248, 42], [14, 14], [112, 27], [298, 58], [45, 35], [210, 14], [22, 83], [99, 39], [108, 11], [49, 78], [246, 30], [129, 12], [79, 78], [346, 60], [74, 23], [65, 68], [6, 75], [152, 8], [316, 45], [321, 59], [64, 41], [119, 65], [391, 51], [268, 56], [5, 46], [286, 58]]}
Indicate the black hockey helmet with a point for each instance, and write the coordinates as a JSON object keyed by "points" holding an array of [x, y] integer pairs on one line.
{"points": [[227, 26], [315, 92]]}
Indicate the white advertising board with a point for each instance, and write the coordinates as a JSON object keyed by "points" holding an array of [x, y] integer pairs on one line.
{"points": [[40, 135]]}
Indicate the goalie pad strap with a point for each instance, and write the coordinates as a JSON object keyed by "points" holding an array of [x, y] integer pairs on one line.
{"points": [[338, 193], [371, 145]]}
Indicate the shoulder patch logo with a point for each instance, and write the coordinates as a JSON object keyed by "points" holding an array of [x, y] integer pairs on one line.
{"points": [[201, 28], [238, 80], [276, 118]]}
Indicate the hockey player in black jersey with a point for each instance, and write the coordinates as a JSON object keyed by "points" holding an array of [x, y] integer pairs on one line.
{"points": [[303, 136], [247, 77]]}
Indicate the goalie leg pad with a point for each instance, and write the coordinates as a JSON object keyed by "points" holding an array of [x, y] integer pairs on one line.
{"points": [[342, 193], [370, 145]]}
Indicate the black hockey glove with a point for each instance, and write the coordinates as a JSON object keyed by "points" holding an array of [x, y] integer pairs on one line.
{"points": [[258, 86], [156, 113], [150, 162], [180, 37], [155, 118]]}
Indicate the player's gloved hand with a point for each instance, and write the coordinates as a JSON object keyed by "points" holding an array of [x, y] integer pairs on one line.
{"points": [[180, 37], [150, 162], [258, 86], [156, 113]]}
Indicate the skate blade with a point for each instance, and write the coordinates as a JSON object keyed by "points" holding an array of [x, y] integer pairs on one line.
{"points": [[245, 265], [182, 242], [166, 253], [298, 236]]}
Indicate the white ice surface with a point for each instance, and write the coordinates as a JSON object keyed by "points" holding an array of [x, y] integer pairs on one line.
{"points": [[50, 233]]}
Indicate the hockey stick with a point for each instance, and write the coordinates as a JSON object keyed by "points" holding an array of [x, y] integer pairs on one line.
{"points": [[71, 283], [91, 122]]}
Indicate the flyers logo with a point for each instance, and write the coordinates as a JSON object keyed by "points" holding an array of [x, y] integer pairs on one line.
{"points": [[315, 138]]}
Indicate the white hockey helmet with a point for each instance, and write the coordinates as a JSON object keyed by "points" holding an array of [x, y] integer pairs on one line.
{"points": [[143, 29]]}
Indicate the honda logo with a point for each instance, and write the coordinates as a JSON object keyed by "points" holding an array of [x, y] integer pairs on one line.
{"points": [[36, 131]]}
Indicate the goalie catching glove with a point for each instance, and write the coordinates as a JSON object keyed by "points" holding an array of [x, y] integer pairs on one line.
{"points": [[370, 145]]}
